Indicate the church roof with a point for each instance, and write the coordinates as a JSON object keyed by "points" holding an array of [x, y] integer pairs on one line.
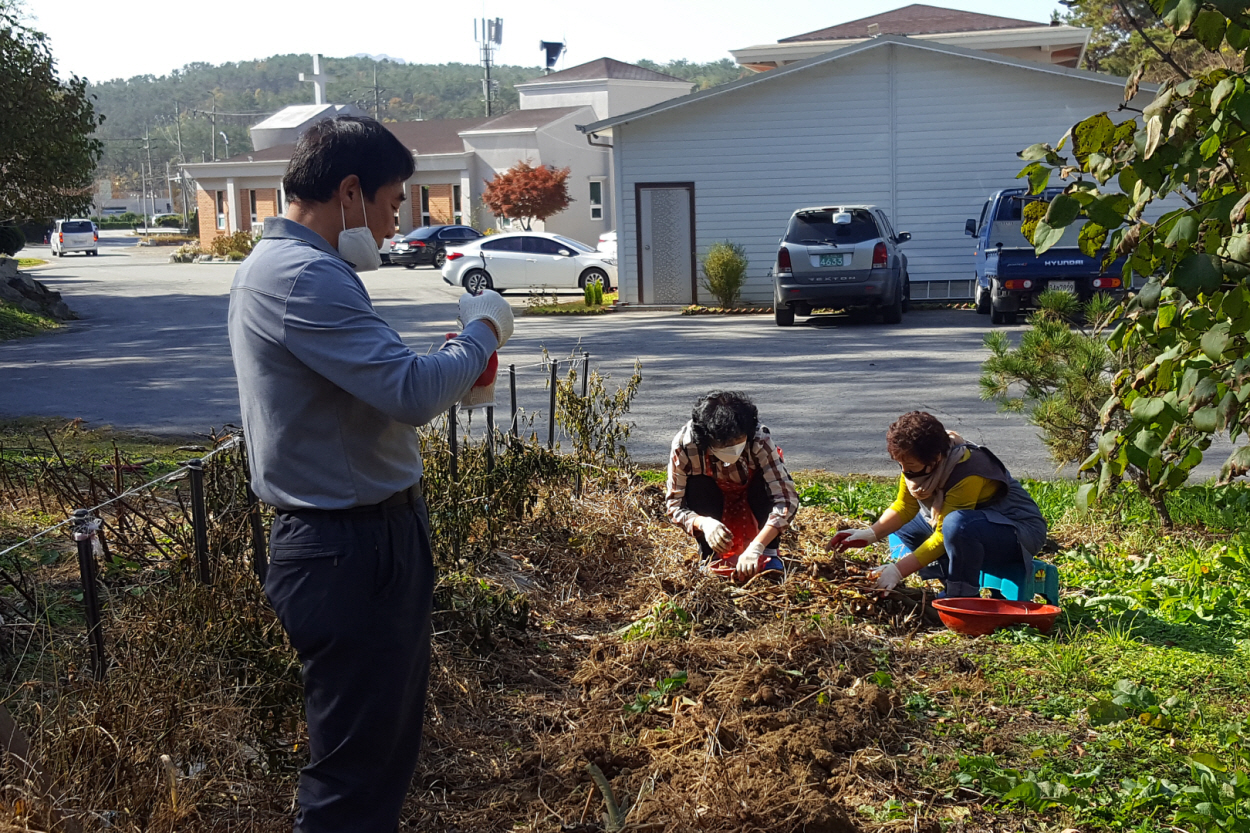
{"points": [[916, 19], [422, 137], [604, 69], [433, 135]]}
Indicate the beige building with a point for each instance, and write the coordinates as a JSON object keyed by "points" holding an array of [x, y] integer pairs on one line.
{"points": [[455, 158]]}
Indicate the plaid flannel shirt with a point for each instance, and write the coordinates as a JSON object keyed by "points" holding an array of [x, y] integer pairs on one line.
{"points": [[760, 455]]}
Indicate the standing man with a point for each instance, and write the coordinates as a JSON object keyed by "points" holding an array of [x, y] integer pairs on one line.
{"points": [[330, 395]]}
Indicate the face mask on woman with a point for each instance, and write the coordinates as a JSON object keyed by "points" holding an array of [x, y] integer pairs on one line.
{"points": [[730, 454], [357, 245]]}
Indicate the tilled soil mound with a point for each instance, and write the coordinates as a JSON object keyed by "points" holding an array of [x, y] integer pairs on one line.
{"points": [[641, 694]]}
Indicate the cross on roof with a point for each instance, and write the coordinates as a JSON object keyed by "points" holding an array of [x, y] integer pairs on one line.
{"points": [[318, 79]]}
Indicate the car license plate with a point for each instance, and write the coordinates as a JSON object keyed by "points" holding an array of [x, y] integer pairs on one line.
{"points": [[831, 260], [1063, 286]]}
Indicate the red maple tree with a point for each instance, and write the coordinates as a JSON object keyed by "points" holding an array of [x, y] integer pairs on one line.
{"points": [[526, 193]]}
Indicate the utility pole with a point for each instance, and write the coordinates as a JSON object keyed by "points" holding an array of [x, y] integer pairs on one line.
{"points": [[147, 146], [182, 160], [213, 118], [377, 96]]}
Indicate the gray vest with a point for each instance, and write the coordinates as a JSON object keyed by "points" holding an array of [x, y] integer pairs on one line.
{"points": [[1012, 506]]}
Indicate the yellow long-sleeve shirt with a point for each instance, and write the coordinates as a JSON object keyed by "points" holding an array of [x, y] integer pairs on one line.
{"points": [[968, 493]]}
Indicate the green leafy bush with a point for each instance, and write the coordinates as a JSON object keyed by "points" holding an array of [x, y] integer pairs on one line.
{"points": [[588, 295], [12, 240], [235, 256], [598, 288], [725, 271], [240, 241], [1189, 324]]}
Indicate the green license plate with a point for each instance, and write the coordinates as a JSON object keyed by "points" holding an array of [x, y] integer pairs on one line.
{"points": [[831, 260]]}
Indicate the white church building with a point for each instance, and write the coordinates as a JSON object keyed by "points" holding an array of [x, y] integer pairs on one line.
{"points": [[455, 158]]}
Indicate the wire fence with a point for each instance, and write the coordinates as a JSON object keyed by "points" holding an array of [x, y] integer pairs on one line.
{"points": [[129, 523]]}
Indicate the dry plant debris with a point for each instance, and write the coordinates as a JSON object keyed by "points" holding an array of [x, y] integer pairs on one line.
{"points": [[599, 649]]}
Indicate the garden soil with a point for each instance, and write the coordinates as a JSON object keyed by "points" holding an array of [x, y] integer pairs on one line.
{"points": [[640, 695]]}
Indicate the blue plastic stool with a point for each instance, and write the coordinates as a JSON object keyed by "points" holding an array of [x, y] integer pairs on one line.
{"points": [[1014, 582]]}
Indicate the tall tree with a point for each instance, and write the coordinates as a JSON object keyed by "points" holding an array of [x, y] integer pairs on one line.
{"points": [[527, 193], [1186, 335], [48, 151], [1131, 33]]}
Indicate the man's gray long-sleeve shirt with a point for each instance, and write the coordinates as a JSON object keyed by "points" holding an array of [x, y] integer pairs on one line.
{"points": [[329, 391]]}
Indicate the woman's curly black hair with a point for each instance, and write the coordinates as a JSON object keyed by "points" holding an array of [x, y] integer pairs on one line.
{"points": [[720, 416], [918, 434]]}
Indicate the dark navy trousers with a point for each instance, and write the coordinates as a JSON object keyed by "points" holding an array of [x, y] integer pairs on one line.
{"points": [[972, 541], [354, 590]]}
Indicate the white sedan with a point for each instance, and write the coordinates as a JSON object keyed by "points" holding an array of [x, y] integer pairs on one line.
{"points": [[526, 260]]}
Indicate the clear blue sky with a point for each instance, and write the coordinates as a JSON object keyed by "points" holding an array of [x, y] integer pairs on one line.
{"points": [[102, 41]]}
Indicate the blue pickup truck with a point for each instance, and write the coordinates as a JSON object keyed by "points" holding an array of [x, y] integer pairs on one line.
{"points": [[1010, 275]]}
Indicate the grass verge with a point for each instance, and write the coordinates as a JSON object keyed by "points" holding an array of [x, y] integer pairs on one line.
{"points": [[571, 307], [16, 322]]}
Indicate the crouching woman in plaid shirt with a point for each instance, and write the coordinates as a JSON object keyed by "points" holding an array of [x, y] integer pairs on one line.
{"points": [[728, 486]]}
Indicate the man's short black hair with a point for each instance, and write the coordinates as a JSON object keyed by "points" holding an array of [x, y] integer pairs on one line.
{"points": [[334, 149], [722, 415]]}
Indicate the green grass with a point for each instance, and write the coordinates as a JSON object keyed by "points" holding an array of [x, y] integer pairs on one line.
{"points": [[75, 438], [30, 261], [18, 323], [1133, 714], [573, 307]]}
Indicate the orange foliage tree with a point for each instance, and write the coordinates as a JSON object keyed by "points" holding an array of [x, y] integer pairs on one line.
{"points": [[526, 193]]}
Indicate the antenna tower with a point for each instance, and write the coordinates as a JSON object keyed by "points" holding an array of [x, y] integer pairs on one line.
{"points": [[489, 35]]}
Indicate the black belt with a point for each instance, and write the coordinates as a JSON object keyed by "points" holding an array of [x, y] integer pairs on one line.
{"points": [[405, 497]]}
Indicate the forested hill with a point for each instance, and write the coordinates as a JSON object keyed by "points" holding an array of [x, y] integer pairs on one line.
{"points": [[245, 92]]}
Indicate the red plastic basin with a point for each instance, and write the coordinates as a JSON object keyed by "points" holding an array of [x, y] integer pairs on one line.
{"points": [[975, 617]]}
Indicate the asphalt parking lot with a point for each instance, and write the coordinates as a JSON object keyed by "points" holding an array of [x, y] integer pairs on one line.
{"points": [[151, 353]]}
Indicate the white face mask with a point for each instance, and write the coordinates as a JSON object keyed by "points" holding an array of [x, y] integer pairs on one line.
{"points": [[357, 245], [729, 456]]}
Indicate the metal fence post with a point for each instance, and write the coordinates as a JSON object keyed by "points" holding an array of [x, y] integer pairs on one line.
{"points": [[452, 442], [577, 485], [490, 437], [551, 415], [86, 527], [260, 559], [516, 429], [199, 518]]}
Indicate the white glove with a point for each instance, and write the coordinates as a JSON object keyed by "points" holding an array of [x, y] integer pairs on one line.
{"points": [[751, 560], [491, 306], [848, 538], [716, 534], [887, 576]]}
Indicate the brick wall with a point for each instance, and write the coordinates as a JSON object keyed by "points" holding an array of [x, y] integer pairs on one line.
{"points": [[245, 210], [266, 204], [206, 202], [441, 211]]}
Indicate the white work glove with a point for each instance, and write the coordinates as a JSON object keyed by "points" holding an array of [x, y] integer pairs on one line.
{"points": [[848, 538], [716, 534], [491, 306], [888, 577], [750, 561]]}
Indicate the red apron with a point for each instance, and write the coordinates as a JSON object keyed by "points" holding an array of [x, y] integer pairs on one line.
{"points": [[740, 520]]}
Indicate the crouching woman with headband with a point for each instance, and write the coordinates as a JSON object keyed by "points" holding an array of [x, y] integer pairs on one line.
{"points": [[729, 487]]}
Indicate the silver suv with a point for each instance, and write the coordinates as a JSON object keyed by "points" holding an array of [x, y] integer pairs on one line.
{"points": [[840, 256]]}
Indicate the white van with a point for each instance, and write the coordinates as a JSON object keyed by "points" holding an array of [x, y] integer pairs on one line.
{"points": [[75, 236]]}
